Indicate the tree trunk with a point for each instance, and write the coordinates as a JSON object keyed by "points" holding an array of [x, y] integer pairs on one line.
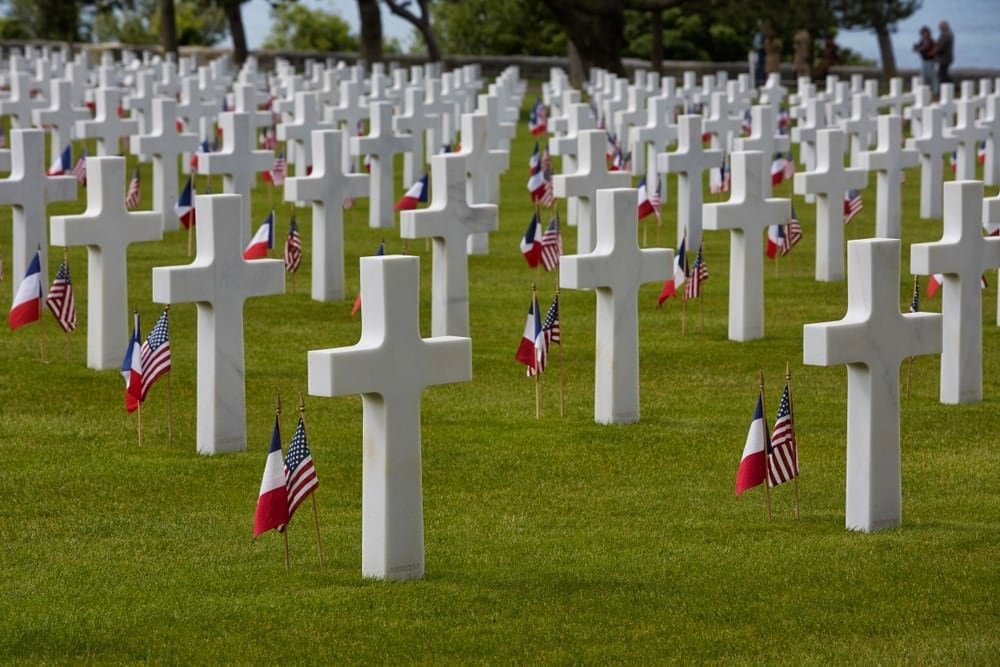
{"points": [[168, 27], [433, 50], [656, 45], [576, 75], [61, 20], [422, 23], [371, 31], [596, 28], [885, 51], [235, 19]]}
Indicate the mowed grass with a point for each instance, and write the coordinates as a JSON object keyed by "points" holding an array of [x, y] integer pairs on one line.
{"points": [[551, 540]]}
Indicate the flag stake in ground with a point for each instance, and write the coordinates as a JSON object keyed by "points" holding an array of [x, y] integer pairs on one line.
{"points": [[319, 542], [277, 419], [767, 437], [562, 374], [791, 414], [538, 385], [914, 307]]}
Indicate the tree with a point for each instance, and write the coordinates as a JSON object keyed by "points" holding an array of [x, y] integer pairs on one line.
{"points": [[879, 15], [139, 22], [515, 27], [234, 18], [295, 26], [168, 26], [371, 30], [46, 19], [421, 21], [595, 31]]}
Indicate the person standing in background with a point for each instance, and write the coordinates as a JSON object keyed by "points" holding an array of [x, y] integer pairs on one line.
{"points": [[757, 44], [925, 47], [944, 51], [772, 52]]}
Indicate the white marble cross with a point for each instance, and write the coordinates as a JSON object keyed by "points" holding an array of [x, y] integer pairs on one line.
{"points": [[990, 122], [615, 269], [861, 125], [164, 144], [483, 168], [829, 182], [649, 140], [140, 100], [381, 145], [932, 144], [245, 101], [689, 161], [590, 176], [239, 161], [390, 366], [888, 159], [352, 111], [327, 187], [449, 220], [30, 191], [417, 121], [720, 124], [19, 105], [498, 131], [106, 126], [968, 134], [962, 255], [298, 131], [872, 339], [107, 229], [59, 116], [747, 215], [578, 118], [763, 138], [804, 134], [219, 281]]}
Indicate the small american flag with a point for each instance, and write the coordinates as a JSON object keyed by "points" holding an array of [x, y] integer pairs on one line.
{"points": [[133, 194], [293, 247], [915, 301], [268, 140], [699, 274], [80, 168], [656, 200], [793, 233], [783, 458], [852, 205], [550, 327], [154, 355], [279, 170], [60, 299], [300, 474], [551, 245]]}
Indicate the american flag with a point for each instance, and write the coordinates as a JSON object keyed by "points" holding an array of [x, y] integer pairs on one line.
{"points": [[268, 140], [80, 168], [154, 355], [656, 199], [915, 301], [300, 475], [699, 274], [60, 299], [783, 458], [551, 245], [852, 205], [550, 327], [293, 247], [133, 194], [279, 170], [793, 233]]}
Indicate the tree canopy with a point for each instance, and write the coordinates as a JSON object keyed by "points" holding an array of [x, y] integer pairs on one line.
{"points": [[296, 26]]}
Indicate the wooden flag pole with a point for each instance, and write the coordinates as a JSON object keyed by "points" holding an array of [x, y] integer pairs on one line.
{"points": [[538, 386], [791, 417], [645, 234], [138, 421], [683, 313], [319, 543], [41, 322], [909, 360], [562, 371], [66, 262], [767, 486], [189, 239], [277, 416]]}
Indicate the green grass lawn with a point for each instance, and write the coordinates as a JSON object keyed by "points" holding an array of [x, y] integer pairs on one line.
{"points": [[550, 540]]}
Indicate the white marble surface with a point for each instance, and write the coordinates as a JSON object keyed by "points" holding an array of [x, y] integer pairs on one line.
{"points": [[829, 182], [873, 339], [747, 215], [106, 127], [381, 144], [962, 255], [889, 159], [327, 187], [689, 161], [933, 146], [29, 191], [219, 281], [390, 366], [615, 269], [107, 229]]}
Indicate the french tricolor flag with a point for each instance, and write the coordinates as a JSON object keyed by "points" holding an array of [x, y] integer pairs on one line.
{"points": [[645, 208], [753, 465], [28, 300], [414, 196], [262, 241], [272, 503], [62, 164], [184, 208], [132, 367], [531, 242], [671, 285], [532, 329]]}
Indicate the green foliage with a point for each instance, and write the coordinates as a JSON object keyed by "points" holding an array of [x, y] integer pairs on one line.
{"points": [[139, 23], [296, 26], [475, 27], [553, 540], [873, 13]]}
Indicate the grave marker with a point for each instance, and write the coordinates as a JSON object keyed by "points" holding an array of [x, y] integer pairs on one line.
{"points": [[889, 160]]}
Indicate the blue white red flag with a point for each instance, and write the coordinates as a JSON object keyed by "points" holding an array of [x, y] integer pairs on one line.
{"points": [[272, 501], [417, 194], [26, 306], [753, 463], [262, 241]]}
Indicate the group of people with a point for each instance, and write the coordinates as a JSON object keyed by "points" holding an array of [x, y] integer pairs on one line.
{"points": [[936, 55]]}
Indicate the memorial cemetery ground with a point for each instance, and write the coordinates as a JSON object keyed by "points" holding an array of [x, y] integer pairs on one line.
{"points": [[547, 540]]}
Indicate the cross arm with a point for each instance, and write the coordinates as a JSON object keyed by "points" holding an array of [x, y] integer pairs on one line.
{"points": [[655, 264], [446, 359], [183, 284], [345, 371]]}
